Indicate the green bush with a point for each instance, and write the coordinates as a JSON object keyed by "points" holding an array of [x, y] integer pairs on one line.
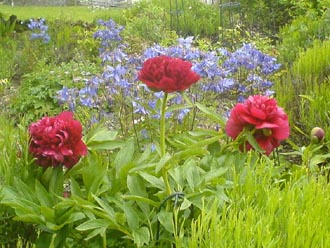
{"points": [[301, 33], [186, 17], [71, 40], [8, 49], [144, 26], [265, 214], [7, 26], [36, 95], [304, 89], [14, 163]]}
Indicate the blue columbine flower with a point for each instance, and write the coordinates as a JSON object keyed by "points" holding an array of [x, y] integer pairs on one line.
{"points": [[39, 29]]}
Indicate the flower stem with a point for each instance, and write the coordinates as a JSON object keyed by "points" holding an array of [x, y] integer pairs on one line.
{"points": [[162, 143], [162, 126]]}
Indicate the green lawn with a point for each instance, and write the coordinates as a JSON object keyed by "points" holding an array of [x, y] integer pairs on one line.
{"points": [[74, 13]]}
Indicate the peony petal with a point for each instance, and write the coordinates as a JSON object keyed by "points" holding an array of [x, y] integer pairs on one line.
{"points": [[263, 114], [281, 133], [66, 115], [168, 74], [266, 125], [54, 140], [257, 113], [266, 144], [66, 152]]}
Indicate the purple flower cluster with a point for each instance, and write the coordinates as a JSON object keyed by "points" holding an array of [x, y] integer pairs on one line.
{"points": [[251, 59], [109, 35], [241, 73], [233, 75], [39, 29], [251, 69]]}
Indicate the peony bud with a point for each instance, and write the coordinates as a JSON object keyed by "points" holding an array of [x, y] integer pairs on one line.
{"points": [[317, 135]]}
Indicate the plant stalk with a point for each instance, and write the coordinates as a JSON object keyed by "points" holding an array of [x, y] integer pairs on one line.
{"points": [[162, 126], [162, 143]]}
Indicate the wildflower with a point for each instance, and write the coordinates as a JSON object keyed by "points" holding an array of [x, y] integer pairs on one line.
{"points": [[40, 30], [56, 141], [167, 74], [109, 35], [182, 114], [261, 116], [186, 42]]}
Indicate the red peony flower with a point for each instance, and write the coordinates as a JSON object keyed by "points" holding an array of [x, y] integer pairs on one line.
{"points": [[57, 140], [259, 114], [167, 74]]}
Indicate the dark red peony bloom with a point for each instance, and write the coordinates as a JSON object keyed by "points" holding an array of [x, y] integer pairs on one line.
{"points": [[259, 114], [167, 74], [57, 140]]}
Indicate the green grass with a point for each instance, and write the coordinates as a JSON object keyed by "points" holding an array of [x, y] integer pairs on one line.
{"points": [[264, 214], [74, 13]]}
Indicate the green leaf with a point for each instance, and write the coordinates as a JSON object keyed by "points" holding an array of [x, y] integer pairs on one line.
{"points": [[98, 231], [214, 148], [43, 196], [319, 159], [124, 156], [185, 204], [48, 213], [22, 206], [100, 133], [141, 236], [163, 162], [215, 174], [56, 181], [102, 139], [44, 240], [31, 218], [253, 142], [93, 177], [166, 219], [103, 134], [193, 151], [141, 199], [137, 188], [176, 107], [192, 174], [93, 224], [60, 238], [66, 213], [131, 217], [154, 181], [75, 188], [24, 190], [212, 115], [203, 133], [105, 145], [145, 155], [106, 207]]}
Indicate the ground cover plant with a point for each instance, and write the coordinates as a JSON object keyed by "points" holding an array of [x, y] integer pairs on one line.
{"points": [[178, 142]]}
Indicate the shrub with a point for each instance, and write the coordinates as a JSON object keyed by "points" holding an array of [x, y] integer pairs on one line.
{"points": [[35, 96], [303, 89], [301, 33]]}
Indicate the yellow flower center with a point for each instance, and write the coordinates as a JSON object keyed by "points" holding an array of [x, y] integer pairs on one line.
{"points": [[267, 132]]}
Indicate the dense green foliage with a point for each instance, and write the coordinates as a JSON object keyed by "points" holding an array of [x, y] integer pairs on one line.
{"points": [[202, 192]]}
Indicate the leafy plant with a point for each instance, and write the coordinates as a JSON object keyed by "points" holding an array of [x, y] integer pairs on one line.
{"points": [[304, 89], [299, 205], [301, 33], [7, 26], [37, 93]]}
